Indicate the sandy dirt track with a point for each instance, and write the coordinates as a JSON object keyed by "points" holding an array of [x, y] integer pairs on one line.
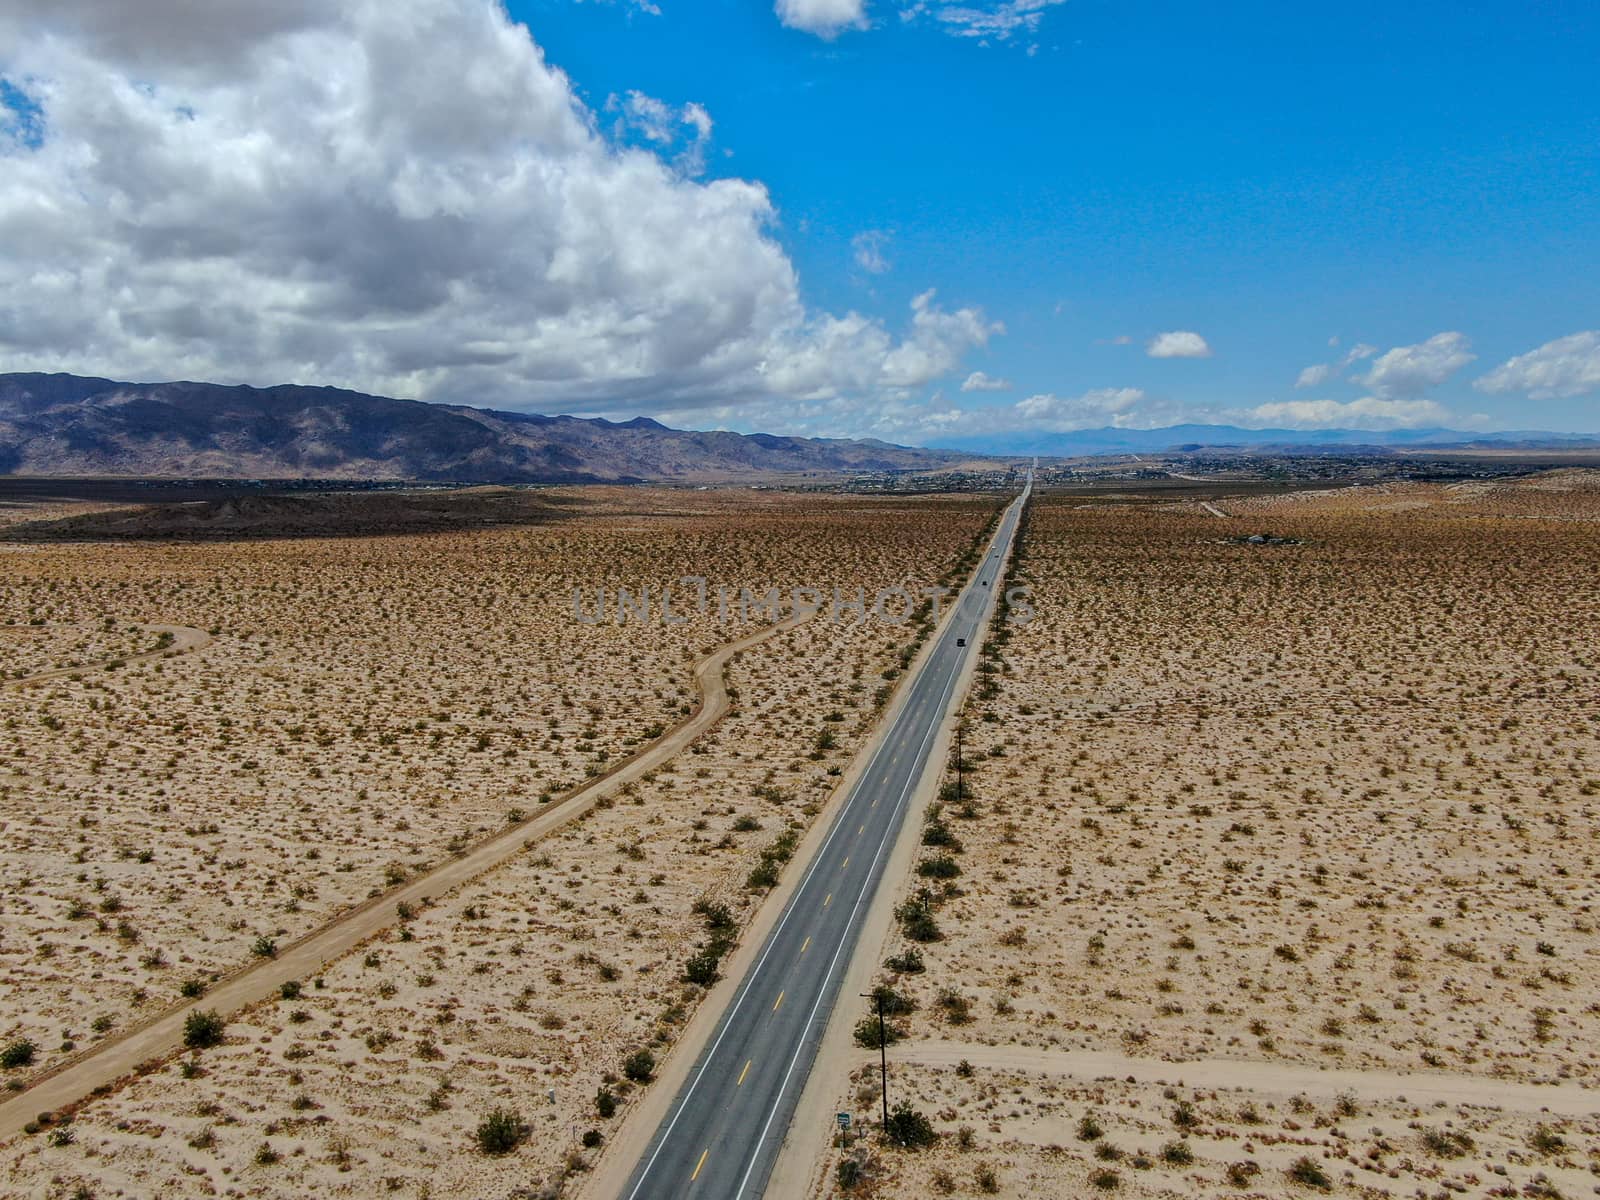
{"points": [[184, 639], [112, 1060], [1262, 1078]]}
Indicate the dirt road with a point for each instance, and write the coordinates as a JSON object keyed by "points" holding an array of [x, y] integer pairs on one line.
{"points": [[1261, 1078], [184, 639], [119, 1057]]}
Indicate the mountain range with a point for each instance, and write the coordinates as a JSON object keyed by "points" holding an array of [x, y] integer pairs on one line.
{"points": [[75, 425], [72, 425]]}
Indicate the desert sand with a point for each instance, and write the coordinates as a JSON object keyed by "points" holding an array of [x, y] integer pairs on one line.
{"points": [[1267, 852], [363, 709]]}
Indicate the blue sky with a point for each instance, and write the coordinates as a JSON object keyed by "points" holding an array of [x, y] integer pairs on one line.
{"points": [[1271, 176], [912, 219]]}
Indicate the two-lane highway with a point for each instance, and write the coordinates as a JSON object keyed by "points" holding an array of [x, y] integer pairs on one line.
{"points": [[725, 1127]]}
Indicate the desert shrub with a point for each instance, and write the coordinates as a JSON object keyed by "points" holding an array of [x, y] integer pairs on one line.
{"points": [[1105, 1179], [605, 1102], [591, 1138], [203, 1029], [191, 988], [501, 1132], [1089, 1128], [718, 917], [1177, 1154], [1308, 1171], [701, 968], [909, 1128], [907, 962], [894, 1004], [939, 866], [289, 989], [640, 1066], [763, 875], [1240, 1174], [18, 1054], [866, 1032], [1546, 1140], [957, 1009], [848, 1174], [917, 923], [1447, 1143]]}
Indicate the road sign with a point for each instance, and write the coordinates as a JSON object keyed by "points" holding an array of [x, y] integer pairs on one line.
{"points": [[844, 1120]]}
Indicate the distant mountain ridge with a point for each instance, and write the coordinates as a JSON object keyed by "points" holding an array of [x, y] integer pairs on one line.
{"points": [[75, 425], [1188, 437]]}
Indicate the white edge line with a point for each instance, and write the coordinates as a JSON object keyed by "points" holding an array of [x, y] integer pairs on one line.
{"points": [[892, 826], [772, 941]]}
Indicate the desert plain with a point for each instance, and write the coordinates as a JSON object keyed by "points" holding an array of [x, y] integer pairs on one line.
{"points": [[1270, 871], [337, 716]]}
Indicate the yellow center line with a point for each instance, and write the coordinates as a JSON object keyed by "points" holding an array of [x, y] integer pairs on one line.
{"points": [[805, 945], [743, 1073], [862, 830], [703, 1154], [828, 900], [777, 1002], [845, 863]]}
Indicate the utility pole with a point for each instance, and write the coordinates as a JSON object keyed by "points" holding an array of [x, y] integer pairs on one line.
{"points": [[883, 1054]]}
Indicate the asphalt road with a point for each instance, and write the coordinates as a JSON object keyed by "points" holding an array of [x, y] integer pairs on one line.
{"points": [[724, 1130]]}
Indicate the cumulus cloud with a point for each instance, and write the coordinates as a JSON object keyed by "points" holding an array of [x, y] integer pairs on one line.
{"points": [[1568, 366], [1316, 376], [854, 354], [1407, 371], [1180, 343], [1098, 406], [398, 196], [996, 20], [869, 246], [684, 132], [1370, 412], [825, 18], [980, 382], [1321, 373]]}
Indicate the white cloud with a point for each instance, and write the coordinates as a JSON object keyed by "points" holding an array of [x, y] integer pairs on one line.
{"points": [[999, 20], [825, 18], [1180, 343], [663, 127], [1568, 366], [980, 382], [1095, 407], [1370, 412], [869, 246], [1321, 373], [648, 6], [854, 354], [1408, 371], [1316, 376], [397, 196]]}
